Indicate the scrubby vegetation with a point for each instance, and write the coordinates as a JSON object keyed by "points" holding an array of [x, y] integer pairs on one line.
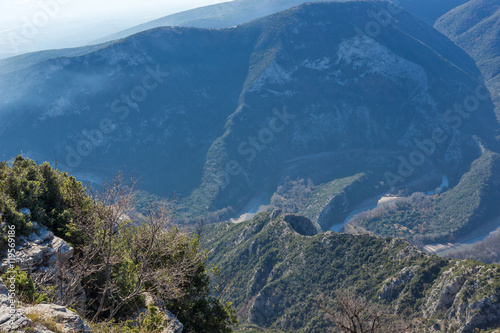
{"points": [[352, 313], [25, 288], [52, 197], [425, 219], [348, 191], [292, 195], [119, 262], [487, 251], [406, 217], [275, 275], [154, 321]]}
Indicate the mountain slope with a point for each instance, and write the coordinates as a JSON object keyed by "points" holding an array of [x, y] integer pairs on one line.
{"points": [[475, 27], [274, 271], [16, 63], [429, 10], [292, 78], [470, 205], [221, 116]]}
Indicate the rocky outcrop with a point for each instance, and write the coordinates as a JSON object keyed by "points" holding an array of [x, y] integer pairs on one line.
{"points": [[408, 252], [174, 325], [11, 320], [66, 320], [17, 318], [38, 251], [45, 257], [443, 295], [458, 301], [393, 286]]}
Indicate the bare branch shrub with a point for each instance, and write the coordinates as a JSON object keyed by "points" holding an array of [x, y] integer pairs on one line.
{"points": [[120, 260], [350, 313]]}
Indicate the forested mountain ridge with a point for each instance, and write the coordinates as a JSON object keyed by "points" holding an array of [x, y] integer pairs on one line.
{"points": [[276, 267], [475, 27]]}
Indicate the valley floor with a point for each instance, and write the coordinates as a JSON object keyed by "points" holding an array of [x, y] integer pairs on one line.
{"points": [[464, 242]]}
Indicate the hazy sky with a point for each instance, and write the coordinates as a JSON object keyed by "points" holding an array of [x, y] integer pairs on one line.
{"points": [[29, 25], [16, 9]]}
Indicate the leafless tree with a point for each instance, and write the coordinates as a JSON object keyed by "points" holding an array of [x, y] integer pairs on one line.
{"points": [[292, 195], [159, 251], [351, 313], [160, 262]]}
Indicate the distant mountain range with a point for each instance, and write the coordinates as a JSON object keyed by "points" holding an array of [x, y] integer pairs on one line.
{"points": [[475, 27], [23, 61], [221, 117], [228, 14], [222, 15]]}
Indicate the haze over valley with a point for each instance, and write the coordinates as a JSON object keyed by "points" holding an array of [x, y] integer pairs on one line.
{"points": [[252, 166]]}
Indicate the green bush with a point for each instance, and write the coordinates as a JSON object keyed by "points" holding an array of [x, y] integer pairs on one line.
{"points": [[25, 288], [53, 197], [61, 203]]}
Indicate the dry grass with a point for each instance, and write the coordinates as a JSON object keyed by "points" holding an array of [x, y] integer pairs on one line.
{"points": [[37, 317]]}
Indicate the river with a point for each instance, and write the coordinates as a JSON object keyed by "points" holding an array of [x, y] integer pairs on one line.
{"points": [[383, 200]]}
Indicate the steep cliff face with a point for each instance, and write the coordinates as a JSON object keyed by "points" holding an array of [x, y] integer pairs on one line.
{"points": [[280, 272], [220, 115], [457, 301]]}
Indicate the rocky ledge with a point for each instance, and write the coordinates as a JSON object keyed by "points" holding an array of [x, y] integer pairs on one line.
{"points": [[42, 254], [31, 318]]}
